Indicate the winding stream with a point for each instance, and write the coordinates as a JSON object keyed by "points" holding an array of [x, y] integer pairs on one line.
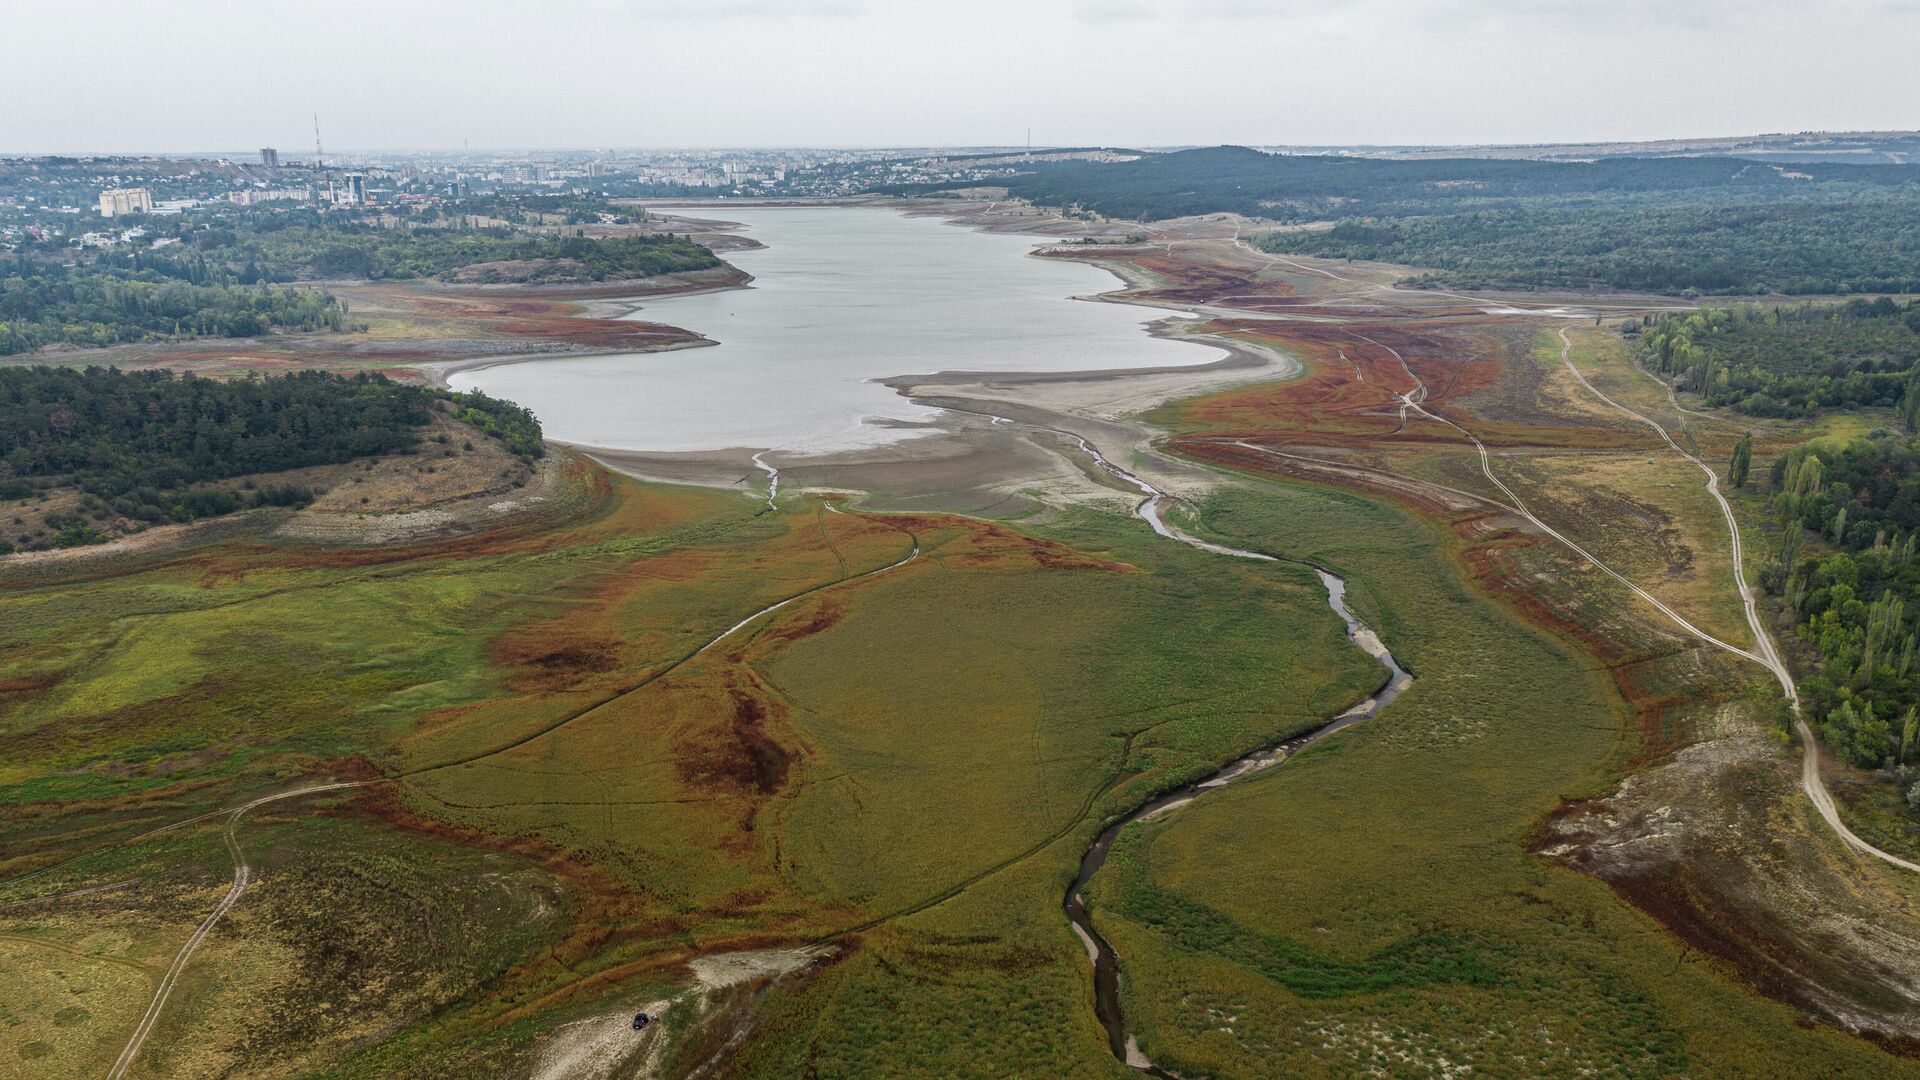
{"points": [[1106, 964], [773, 478]]}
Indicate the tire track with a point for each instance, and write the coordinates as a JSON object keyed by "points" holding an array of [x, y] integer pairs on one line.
{"points": [[242, 876]]}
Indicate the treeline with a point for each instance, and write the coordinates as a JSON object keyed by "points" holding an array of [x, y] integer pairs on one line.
{"points": [[214, 283], [1855, 243], [1286, 187], [1672, 225], [305, 246], [1858, 605], [513, 425], [535, 208], [1790, 361], [45, 303], [147, 442]]}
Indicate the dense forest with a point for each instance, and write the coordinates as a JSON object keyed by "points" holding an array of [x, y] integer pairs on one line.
{"points": [[45, 303], [305, 246], [1844, 563], [1672, 225], [1864, 242], [1856, 605], [148, 443], [1790, 361], [1283, 187], [214, 282]]}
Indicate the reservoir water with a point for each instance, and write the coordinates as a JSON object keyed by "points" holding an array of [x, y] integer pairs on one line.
{"points": [[841, 296]]}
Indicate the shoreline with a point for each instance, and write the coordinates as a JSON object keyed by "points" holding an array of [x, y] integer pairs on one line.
{"points": [[1240, 356], [618, 305], [1241, 362], [436, 372]]}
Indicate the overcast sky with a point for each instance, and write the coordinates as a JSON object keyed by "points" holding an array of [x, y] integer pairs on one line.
{"points": [[182, 75]]}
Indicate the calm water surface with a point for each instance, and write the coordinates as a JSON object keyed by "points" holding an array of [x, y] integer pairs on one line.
{"points": [[841, 296]]}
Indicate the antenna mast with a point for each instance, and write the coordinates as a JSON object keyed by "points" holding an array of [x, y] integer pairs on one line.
{"points": [[319, 160]]}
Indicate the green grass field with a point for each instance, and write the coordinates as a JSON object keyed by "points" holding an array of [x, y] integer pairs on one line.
{"points": [[577, 778], [917, 757], [1386, 913]]}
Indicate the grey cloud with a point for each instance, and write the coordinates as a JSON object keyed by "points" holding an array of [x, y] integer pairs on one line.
{"points": [[915, 72]]}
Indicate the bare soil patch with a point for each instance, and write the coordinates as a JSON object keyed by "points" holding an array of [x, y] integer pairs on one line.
{"points": [[1806, 923]]}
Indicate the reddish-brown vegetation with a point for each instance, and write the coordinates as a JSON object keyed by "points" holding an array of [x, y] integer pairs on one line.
{"points": [[982, 545], [824, 617], [1198, 275], [1346, 402], [413, 324], [737, 753]]}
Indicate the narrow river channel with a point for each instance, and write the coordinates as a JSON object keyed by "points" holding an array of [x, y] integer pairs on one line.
{"points": [[1106, 964]]}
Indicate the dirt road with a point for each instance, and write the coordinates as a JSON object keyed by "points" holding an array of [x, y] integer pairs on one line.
{"points": [[1810, 780], [1413, 399], [242, 874]]}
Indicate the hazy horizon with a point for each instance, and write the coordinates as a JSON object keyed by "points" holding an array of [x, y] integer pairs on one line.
{"points": [[299, 151], [201, 75]]}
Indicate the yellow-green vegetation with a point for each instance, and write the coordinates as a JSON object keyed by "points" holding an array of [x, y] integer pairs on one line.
{"points": [[1395, 920], [638, 725], [355, 931], [907, 757], [1647, 516], [1188, 661], [1838, 430], [1386, 913]]}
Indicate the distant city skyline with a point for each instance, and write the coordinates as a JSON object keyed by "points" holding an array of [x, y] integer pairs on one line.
{"points": [[578, 74]]}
